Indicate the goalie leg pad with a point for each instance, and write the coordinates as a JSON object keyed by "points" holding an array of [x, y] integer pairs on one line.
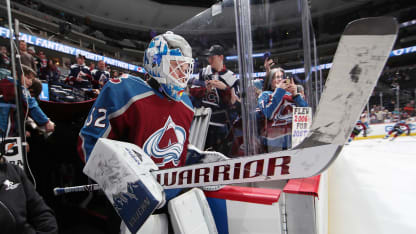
{"points": [[190, 213], [155, 224]]}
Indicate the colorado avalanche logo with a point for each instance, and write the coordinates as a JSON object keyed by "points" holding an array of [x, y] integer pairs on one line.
{"points": [[103, 78], [166, 144], [284, 114]]}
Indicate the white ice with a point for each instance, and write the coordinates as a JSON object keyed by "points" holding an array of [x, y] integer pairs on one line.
{"points": [[372, 188]]}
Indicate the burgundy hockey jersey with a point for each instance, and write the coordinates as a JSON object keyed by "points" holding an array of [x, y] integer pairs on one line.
{"points": [[130, 110]]}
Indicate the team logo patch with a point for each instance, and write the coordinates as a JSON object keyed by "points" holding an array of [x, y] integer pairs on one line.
{"points": [[283, 115], [166, 144]]}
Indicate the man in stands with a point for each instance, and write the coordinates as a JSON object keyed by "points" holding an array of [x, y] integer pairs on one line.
{"points": [[79, 75], [42, 65], [217, 88], [100, 76], [4, 58], [25, 57]]}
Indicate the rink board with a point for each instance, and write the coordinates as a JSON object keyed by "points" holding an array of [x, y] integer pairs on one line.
{"points": [[245, 210]]}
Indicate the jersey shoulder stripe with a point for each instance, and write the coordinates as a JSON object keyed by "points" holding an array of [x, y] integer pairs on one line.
{"points": [[120, 93]]}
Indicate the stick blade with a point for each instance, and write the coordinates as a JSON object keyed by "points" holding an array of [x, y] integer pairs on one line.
{"points": [[358, 62], [372, 26]]}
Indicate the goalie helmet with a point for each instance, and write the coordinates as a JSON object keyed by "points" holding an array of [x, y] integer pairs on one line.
{"points": [[168, 59]]}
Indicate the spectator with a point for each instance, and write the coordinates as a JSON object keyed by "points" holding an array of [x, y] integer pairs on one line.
{"points": [[23, 210], [396, 114], [100, 76], [373, 117], [391, 105], [374, 108], [410, 108], [31, 50], [25, 57], [52, 72], [389, 118], [35, 89], [4, 58], [79, 75], [42, 65], [403, 114], [115, 74], [217, 88], [7, 116], [276, 103], [92, 66], [301, 91], [379, 115]]}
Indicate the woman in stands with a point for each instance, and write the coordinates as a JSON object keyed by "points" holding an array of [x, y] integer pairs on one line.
{"points": [[276, 103]]}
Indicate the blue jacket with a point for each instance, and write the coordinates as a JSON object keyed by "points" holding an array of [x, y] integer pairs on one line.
{"points": [[8, 108]]}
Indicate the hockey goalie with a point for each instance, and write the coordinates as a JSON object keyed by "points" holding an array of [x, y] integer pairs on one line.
{"points": [[155, 115]]}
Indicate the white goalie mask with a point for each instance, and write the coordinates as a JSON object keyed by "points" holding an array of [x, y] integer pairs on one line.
{"points": [[168, 59]]}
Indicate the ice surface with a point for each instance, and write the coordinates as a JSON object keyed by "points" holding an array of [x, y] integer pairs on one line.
{"points": [[372, 187]]}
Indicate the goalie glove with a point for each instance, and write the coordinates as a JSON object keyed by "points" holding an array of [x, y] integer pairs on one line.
{"points": [[196, 156]]}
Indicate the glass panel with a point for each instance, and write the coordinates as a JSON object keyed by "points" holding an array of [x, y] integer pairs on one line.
{"points": [[212, 35], [276, 29], [393, 99]]}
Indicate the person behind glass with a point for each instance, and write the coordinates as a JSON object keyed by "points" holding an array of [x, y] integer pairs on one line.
{"points": [[301, 91], [25, 57], [100, 75], [217, 88], [4, 58], [79, 74], [276, 103], [22, 209]]}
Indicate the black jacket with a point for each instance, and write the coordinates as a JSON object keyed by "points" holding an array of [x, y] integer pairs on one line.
{"points": [[22, 209]]}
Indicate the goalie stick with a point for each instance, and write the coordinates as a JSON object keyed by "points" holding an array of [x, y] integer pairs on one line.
{"points": [[362, 52]]}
